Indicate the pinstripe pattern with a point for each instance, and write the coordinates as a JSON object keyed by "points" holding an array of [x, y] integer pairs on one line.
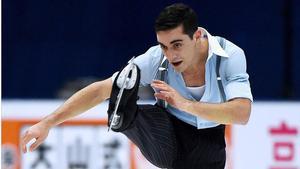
{"points": [[170, 143], [199, 149], [153, 133]]}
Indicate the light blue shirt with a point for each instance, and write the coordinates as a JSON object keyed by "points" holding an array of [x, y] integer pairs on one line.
{"points": [[232, 71]]}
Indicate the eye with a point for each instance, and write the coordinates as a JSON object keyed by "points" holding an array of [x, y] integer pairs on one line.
{"points": [[163, 47], [177, 45]]}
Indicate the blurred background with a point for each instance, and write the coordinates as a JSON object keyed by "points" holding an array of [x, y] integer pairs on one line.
{"points": [[52, 48], [47, 44]]}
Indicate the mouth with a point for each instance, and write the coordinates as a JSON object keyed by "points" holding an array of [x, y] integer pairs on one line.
{"points": [[177, 63]]}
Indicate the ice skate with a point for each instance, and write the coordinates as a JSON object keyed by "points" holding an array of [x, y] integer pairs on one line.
{"points": [[122, 105]]}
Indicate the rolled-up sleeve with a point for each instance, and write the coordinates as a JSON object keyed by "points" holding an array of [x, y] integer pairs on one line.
{"points": [[237, 83], [148, 63]]}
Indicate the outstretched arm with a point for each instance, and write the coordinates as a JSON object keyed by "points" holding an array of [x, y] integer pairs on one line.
{"points": [[81, 101]]}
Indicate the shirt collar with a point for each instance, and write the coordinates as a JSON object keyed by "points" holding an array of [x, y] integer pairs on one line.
{"points": [[213, 45]]}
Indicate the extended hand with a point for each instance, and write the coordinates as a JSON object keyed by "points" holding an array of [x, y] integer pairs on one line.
{"points": [[38, 131]]}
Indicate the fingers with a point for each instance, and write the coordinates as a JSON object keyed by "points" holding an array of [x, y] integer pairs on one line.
{"points": [[25, 139], [161, 85], [163, 95], [159, 96], [165, 91], [158, 82], [30, 139], [33, 137], [35, 144]]}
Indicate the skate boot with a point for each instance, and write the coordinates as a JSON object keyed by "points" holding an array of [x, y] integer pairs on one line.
{"points": [[122, 104]]}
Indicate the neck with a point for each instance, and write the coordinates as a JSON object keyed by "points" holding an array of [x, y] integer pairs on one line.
{"points": [[203, 49]]}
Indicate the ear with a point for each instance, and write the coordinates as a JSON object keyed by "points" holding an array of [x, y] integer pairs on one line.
{"points": [[197, 34]]}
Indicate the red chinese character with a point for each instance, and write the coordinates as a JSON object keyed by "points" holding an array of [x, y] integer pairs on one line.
{"points": [[284, 151], [283, 130]]}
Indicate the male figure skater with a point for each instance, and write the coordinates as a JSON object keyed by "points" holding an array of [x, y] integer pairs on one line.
{"points": [[201, 84]]}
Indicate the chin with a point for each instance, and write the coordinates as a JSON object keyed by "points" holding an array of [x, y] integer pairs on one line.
{"points": [[179, 69]]}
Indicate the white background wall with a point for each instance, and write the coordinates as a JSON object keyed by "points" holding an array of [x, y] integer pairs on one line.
{"points": [[254, 146]]}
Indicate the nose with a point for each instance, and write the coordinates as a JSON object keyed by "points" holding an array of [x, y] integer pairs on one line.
{"points": [[170, 55]]}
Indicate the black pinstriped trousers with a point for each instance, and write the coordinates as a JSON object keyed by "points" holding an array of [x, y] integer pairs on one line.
{"points": [[167, 142]]}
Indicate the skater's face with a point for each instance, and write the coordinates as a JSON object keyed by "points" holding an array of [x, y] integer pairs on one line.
{"points": [[178, 47]]}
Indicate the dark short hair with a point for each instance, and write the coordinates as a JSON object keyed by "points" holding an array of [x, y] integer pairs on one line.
{"points": [[177, 14]]}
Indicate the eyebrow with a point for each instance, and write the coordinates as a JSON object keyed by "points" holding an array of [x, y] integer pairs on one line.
{"points": [[161, 44], [176, 40], [173, 41]]}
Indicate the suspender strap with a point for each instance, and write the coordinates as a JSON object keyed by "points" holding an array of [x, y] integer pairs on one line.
{"points": [[163, 70], [219, 79]]}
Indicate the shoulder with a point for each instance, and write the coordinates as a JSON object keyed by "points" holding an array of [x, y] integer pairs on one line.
{"points": [[232, 49], [235, 63]]}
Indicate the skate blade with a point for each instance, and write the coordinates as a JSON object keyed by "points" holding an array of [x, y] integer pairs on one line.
{"points": [[124, 82]]}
